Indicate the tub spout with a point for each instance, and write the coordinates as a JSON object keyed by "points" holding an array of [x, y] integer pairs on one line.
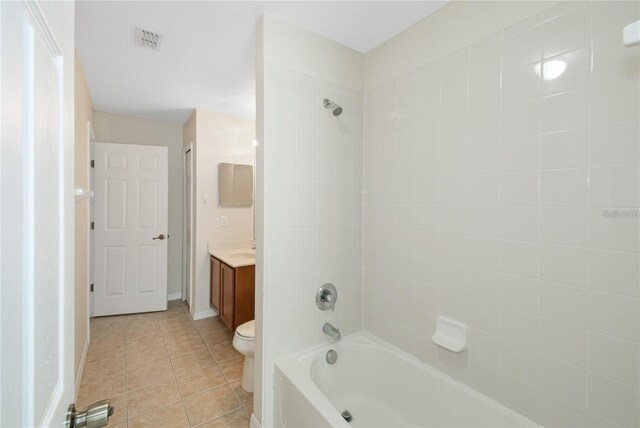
{"points": [[330, 330]]}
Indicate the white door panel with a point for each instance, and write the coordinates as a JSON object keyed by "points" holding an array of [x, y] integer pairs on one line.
{"points": [[37, 213], [131, 208]]}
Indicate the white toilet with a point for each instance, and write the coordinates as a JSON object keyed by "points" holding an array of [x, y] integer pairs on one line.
{"points": [[244, 342]]}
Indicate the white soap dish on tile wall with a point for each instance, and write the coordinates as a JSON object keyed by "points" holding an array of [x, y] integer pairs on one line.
{"points": [[451, 334]]}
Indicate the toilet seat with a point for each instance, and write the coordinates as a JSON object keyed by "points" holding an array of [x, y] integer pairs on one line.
{"points": [[247, 331]]}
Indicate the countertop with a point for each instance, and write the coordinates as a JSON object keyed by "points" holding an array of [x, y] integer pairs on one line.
{"points": [[236, 257]]}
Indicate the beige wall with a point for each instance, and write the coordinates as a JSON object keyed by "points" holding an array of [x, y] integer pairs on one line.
{"points": [[223, 138], [83, 116], [111, 128], [217, 138]]}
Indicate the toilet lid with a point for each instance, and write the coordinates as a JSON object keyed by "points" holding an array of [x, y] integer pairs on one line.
{"points": [[247, 330]]}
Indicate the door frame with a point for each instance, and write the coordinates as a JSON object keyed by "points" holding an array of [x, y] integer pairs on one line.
{"points": [[92, 216], [91, 139], [187, 224], [89, 252]]}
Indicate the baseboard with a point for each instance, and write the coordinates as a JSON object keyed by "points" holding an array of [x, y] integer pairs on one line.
{"points": [[83, 359], [174, 296], [254, 422], [207, 313]]}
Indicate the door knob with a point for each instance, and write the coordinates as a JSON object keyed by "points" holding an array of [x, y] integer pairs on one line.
{"points": [[96, 415], [160, 237]]}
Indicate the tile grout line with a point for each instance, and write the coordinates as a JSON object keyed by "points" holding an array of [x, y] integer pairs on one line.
{"points": [[182, 402], [154, 323], [217, 364], [157, 323], [218, 417], [126, 389], [589, 291]]}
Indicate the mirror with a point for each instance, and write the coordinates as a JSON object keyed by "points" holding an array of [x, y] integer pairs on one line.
{"points": [[235, 184]]}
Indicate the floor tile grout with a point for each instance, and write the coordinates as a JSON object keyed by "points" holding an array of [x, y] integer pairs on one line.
{"points": [[147, 326], [220, 416]]}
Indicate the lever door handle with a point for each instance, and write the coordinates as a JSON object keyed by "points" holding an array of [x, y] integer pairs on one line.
{"points": [[160, 237], [95, 416]]}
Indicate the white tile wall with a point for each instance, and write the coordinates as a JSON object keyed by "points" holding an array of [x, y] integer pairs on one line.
{"points": [[313, 209], [485, 190]]}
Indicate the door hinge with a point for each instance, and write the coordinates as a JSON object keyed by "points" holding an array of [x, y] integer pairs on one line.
{"points": [[91, 288], [93, 225], [93, 163]]}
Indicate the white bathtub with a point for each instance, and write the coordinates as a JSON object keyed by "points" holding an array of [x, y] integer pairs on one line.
{"points": [[382, 387]]}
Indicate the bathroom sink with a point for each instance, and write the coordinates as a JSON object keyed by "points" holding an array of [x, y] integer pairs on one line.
{"points": [[242, 256], [235, 257]]}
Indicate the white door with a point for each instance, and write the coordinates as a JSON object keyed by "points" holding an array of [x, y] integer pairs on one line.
{"points": [[37, 213], [131, 229]]}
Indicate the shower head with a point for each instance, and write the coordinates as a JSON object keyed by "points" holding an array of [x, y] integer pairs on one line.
{"points": [[335, 108]]}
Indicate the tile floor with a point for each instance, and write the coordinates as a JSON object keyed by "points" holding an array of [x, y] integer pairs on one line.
{"points": [[162, 369]]}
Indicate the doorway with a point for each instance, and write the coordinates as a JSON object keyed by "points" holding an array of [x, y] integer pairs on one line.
{"points": [[188, 223]]}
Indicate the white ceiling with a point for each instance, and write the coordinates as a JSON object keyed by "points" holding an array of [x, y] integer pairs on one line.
{"points": [[207, 56]]}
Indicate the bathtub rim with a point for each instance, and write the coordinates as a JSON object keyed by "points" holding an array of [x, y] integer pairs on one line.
{"points": [[300, 379], [297, 367]]}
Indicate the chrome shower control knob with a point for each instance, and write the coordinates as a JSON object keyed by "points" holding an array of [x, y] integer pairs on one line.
{"points": [[326, 297]]}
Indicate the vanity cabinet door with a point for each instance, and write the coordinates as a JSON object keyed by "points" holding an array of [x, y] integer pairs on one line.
{"points": [[216, 289], [245, 295], [228, 296]]}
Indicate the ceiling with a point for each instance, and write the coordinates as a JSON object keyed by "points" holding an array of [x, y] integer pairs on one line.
{"points": [[207, 56]]}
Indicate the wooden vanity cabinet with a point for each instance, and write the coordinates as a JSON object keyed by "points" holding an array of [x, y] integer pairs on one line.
{"points": [[232, 293]]}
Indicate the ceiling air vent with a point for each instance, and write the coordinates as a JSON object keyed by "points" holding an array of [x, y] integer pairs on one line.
{"points": [[148, 39]]}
